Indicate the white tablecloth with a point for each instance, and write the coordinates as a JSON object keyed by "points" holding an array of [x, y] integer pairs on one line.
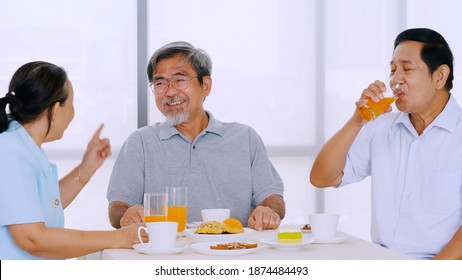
{"points": [[351, 249]]}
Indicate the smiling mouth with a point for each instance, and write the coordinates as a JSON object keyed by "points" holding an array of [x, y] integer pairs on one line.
{"points": [[172, 102]]}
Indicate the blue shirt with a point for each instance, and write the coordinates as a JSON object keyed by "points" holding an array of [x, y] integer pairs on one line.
{"points": [[29, 191], [226, 166], [416, 180]]}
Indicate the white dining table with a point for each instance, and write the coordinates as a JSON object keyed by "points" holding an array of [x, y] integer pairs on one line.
{"points": [[352, 248]]}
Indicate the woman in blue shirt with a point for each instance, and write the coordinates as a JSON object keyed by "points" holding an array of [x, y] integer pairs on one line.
{"points": [[40, 101]]}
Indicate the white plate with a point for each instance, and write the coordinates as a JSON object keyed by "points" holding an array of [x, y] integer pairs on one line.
{"points": [[153, 251], [273, 242], [227, 237], [204, 248], [339, 238]]}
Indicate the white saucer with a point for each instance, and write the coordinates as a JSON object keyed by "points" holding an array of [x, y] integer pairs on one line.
{"points": [[204, 248], [153, 251], [273, 242], [339, 238]]}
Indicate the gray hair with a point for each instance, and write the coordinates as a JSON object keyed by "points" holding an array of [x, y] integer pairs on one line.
{"points": [[199, 59]]}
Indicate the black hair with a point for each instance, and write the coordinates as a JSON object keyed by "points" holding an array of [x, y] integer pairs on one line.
{"points": [[435, 51], [34, 88]]}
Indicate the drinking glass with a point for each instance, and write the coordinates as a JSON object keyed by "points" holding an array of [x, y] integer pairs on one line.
{"points": [[372, 109], [155, 207], [177, 206]]}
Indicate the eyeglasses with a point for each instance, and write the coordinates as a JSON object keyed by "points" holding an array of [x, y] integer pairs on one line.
{"points": [[180, 83]]}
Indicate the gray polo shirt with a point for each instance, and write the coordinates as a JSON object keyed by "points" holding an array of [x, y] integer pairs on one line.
{"points": [[226, 166]]}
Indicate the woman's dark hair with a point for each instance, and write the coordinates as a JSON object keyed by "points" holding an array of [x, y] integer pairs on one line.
{"points": [[34, 88], [435, 51]]}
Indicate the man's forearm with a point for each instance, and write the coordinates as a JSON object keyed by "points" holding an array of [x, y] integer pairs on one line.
{"points": [[276, 203], [327, 169], [117, 210]]}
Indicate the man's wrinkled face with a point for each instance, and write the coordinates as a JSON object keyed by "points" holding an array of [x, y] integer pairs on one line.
{"points": [[184, 95], [418, 84]]}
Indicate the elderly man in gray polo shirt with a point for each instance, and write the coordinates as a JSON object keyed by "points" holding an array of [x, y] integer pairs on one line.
{"points": [[224, 165]]}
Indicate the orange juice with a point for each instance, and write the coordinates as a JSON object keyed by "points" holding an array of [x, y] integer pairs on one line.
{"points": [[178, 214], [155, 218], [373, 109]]}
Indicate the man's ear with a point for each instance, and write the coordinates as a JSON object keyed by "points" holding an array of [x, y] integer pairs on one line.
{"points": [[442, 74], [206, 85]]}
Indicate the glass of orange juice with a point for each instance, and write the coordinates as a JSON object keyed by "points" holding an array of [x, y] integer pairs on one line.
{"points": [[372, 109], [155, 207], [177, 206]]}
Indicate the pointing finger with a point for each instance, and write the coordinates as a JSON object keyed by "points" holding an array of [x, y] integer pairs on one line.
{"points": [[97, 134]]}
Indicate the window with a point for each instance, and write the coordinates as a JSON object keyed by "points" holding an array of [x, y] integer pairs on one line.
{"points": [[96, 43]]}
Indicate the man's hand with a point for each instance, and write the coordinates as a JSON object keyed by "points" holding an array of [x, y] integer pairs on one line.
{"points": [[263, 218], [133, 215]]}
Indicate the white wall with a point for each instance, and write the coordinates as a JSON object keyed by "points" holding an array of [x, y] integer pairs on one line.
{"points": [[260, 76], [95, 41]]}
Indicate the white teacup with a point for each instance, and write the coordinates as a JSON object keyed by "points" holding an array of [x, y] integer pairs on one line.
{"points": [[162, 235], [324, 226], [218, 215]]}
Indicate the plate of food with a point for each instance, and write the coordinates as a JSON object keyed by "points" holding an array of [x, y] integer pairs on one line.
{"points": [[224, 249], [288, 238], [276, 244], [231, 230], [193, 224]]}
